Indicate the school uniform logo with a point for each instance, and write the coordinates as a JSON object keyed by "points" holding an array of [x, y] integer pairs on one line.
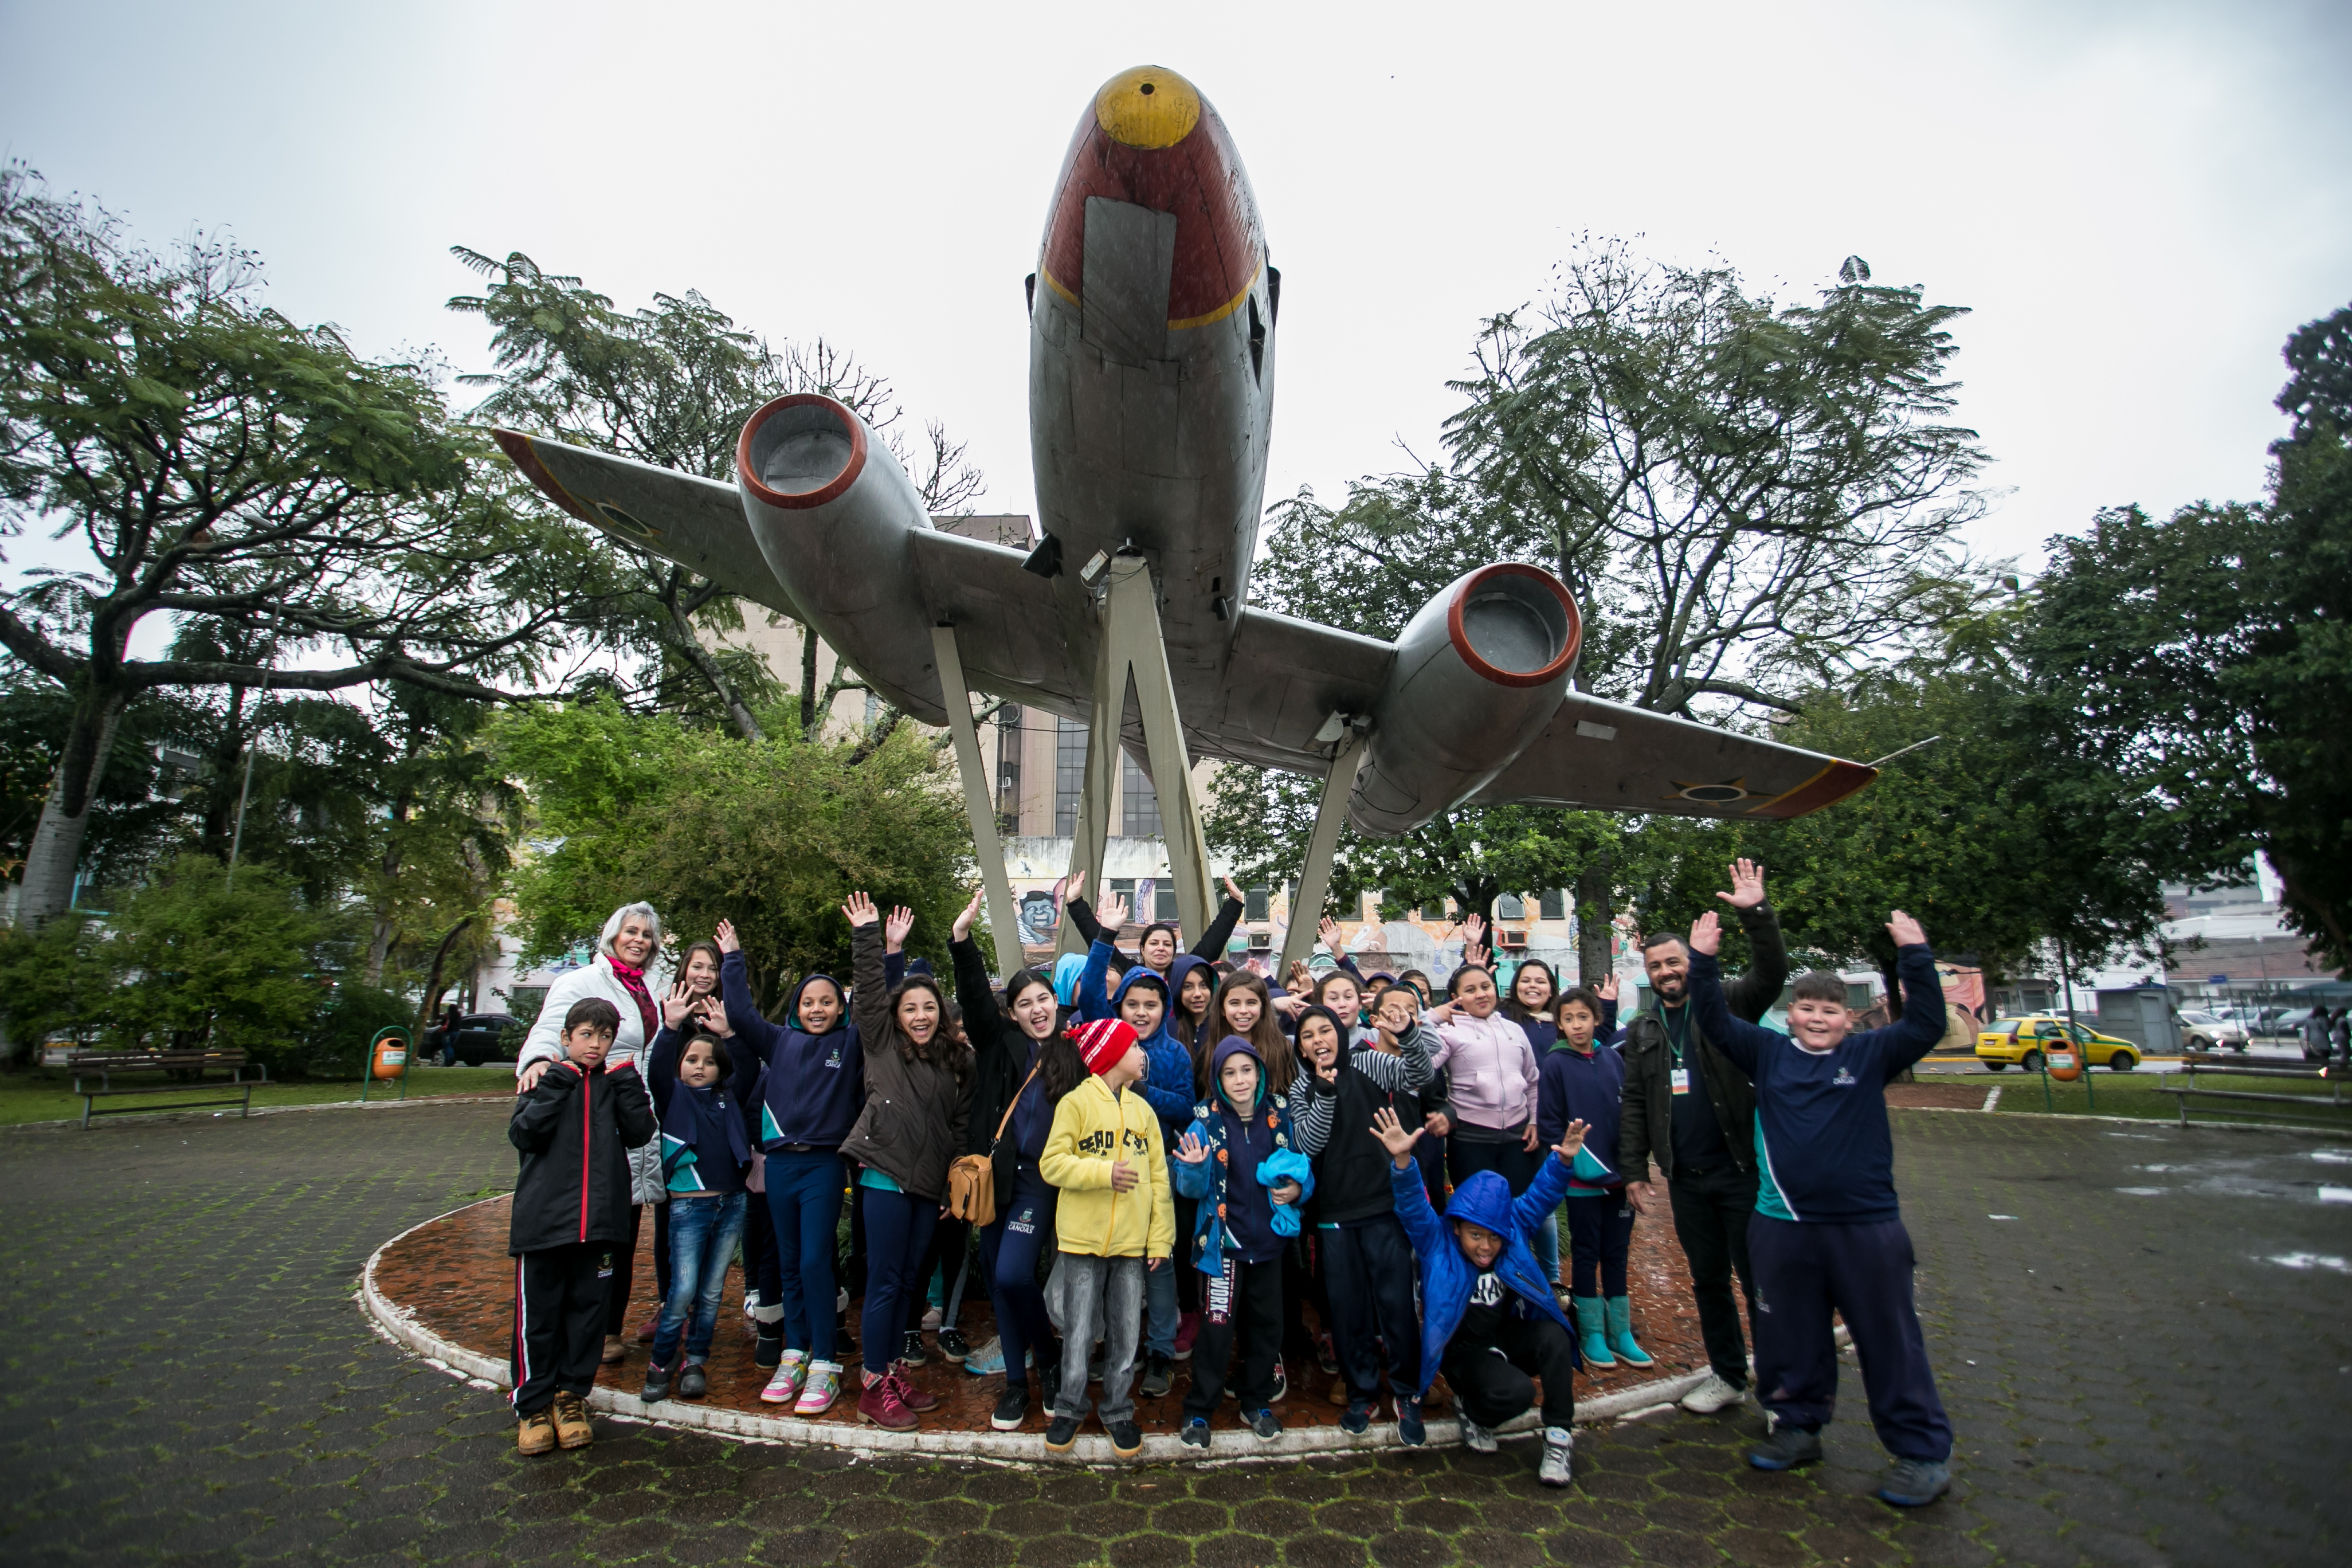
{"points": [[1024, 1223], [1844, 1079], [833, 1061]]}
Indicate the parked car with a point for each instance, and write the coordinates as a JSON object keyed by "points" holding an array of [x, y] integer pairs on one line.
{"points": [[475, 1038], [2212, 1032], [2024, 1041]]}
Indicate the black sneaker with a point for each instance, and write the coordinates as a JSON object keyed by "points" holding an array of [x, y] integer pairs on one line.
{"points": [[656, 1388], [1159, 1372], [1785, 1449], [1050, 1376], [1196, 1433], [915, 1354], [769, 1352], [1126, 1439], [1266, 1424], [1013, 1409], [952, 1345], [1356, 1419], [1915, 1483], [1062, 1435], [1411, 1431], [1325, 1356], [693, 1382]]}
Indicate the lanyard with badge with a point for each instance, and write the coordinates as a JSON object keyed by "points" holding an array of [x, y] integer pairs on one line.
{"points": [[1678, 1076]]}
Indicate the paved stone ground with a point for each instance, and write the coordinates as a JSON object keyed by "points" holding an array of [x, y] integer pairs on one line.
{"points": [[2135, 1375]]}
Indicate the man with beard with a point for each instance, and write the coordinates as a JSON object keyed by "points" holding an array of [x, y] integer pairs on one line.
{"points": [[1686, 1106]]}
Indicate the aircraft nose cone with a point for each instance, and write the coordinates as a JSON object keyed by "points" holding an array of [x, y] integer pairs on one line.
{"points": [[1148, 107], [1151, 141]]}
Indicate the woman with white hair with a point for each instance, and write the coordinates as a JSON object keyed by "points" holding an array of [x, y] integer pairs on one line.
{"points": [[624, 951]]}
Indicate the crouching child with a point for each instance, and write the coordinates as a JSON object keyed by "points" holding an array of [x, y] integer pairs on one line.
{"points": [[1237, 1163], [571, 1215], [1113, 1222], [1827, 1234], [1489, 1319]]}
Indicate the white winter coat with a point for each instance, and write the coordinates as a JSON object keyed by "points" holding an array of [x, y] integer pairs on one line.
{"points": [[629, 1045]]}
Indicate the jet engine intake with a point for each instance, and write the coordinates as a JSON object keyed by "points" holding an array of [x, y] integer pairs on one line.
{"points": [[1479, 672], [832, 510]]}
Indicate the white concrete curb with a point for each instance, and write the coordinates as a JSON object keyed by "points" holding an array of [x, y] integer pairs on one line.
{"points": [[996, 1447]]}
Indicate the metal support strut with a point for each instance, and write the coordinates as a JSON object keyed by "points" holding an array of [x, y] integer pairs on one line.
{"points": [[1003, 915], [1133, 650], [1315, 877]]}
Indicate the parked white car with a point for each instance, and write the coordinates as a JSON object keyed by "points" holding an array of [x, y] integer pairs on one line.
{"points": [[2210, 1032]]}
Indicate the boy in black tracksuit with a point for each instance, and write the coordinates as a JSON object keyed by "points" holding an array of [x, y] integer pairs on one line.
{"points": [[1828, 1235], [570, 1213]]}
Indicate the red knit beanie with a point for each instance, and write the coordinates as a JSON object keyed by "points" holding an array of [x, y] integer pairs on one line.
{"points": [[1103, 1043]]}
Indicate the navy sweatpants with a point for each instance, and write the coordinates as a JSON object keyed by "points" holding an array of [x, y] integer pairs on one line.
{"points": [[1600, 1235], [1803, 1272], [897, 1244], [1009, 1250], [1368, 1270]]}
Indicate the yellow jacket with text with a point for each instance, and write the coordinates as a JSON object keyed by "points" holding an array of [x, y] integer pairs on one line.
{"points": [[1093, 1128]]}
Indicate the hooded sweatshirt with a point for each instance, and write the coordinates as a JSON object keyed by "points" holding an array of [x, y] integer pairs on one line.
{"points": [[816, 1083], [1447, 1277], [704, 1146], [1334, 1121], [1177, 1025], [1236, 1211], [1491, 1071], [1168, 1087], [1093, 1129]]}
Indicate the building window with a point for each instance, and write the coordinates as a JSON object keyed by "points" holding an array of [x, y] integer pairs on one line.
{"points": [[1008, 770], [1510, 907], [1069, 773], [1140, 803], [1555, 905], [1164, 900], [1255, 902]]}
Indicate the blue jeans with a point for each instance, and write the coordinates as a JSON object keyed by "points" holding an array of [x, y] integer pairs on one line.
{"points": [[898, 1228], [702, 1235], [1009, 1251], [804, 1212]]}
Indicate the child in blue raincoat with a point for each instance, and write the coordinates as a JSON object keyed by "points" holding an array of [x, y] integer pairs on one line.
{"points": [[1489, 1319]]}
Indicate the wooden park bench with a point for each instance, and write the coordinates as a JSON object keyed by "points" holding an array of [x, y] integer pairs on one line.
{"points": [[236, 1090], [2311, 1110]]}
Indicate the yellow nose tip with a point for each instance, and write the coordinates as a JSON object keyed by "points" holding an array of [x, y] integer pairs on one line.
{"points": [[1148, 107]]}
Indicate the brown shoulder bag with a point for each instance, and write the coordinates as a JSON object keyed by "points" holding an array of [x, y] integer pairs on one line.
{"points": [[972, 1179]]}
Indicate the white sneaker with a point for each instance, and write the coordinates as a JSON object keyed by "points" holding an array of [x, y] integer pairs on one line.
{"points": [[1476, 1439], [1559, 1444], [1712, 1395]]}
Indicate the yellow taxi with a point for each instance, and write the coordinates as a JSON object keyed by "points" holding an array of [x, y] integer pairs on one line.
{"points": [[2025, 1041]]}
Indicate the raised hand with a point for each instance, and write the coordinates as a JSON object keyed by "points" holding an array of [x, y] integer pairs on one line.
{"points": [[1328, 1072], [1747, 885], [1233, 892], [1291, 1004], [713, 1014], [1123, 1176], [894, 929], [1190, 1149], [1607, 989], [962, 927], [1300, 977], [1473, 932], [1572, 1139], [1904, 930], [678, 1005], [1113, 916], [1329, 930], [1395, 1136], [1707, 933], [860, 910]]}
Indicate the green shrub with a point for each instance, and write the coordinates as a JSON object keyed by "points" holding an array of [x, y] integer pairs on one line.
{"points": [[340, 1033]]}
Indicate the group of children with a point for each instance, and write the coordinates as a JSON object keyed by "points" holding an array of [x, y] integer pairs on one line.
{"points": [[1180, 1158]]}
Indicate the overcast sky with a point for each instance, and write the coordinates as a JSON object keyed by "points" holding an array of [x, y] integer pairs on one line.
{"points": [[2138, 200]]}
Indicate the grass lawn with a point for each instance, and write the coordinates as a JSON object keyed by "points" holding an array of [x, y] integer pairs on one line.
{"points": [[46, 1094], [2136, 1094]]}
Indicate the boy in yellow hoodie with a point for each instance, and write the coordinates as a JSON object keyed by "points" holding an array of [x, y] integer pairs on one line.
{"points": [[1115, 1221]]}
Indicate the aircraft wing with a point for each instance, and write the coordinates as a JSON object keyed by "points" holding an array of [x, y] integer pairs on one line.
{"points": [[1611, 757], [697, 522]]}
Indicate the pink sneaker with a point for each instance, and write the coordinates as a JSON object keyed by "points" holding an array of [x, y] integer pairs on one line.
{"points": [[881, 1406], [785, 1387], [1188, 1330], [821, 1389]]}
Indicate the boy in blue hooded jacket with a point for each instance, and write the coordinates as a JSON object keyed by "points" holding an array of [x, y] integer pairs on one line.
{"points": [[1488, 1317], [1237, 1241]]}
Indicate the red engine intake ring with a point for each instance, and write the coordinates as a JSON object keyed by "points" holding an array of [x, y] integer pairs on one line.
{"points": [[800, 500], [1477, 662]]}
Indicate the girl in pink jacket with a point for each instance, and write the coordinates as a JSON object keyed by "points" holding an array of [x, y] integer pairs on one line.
{"points": [[1488, 1120]]}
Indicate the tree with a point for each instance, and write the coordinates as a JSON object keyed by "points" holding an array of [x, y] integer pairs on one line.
{"points": [[216, 460], [705, 825], [672, 385]]}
